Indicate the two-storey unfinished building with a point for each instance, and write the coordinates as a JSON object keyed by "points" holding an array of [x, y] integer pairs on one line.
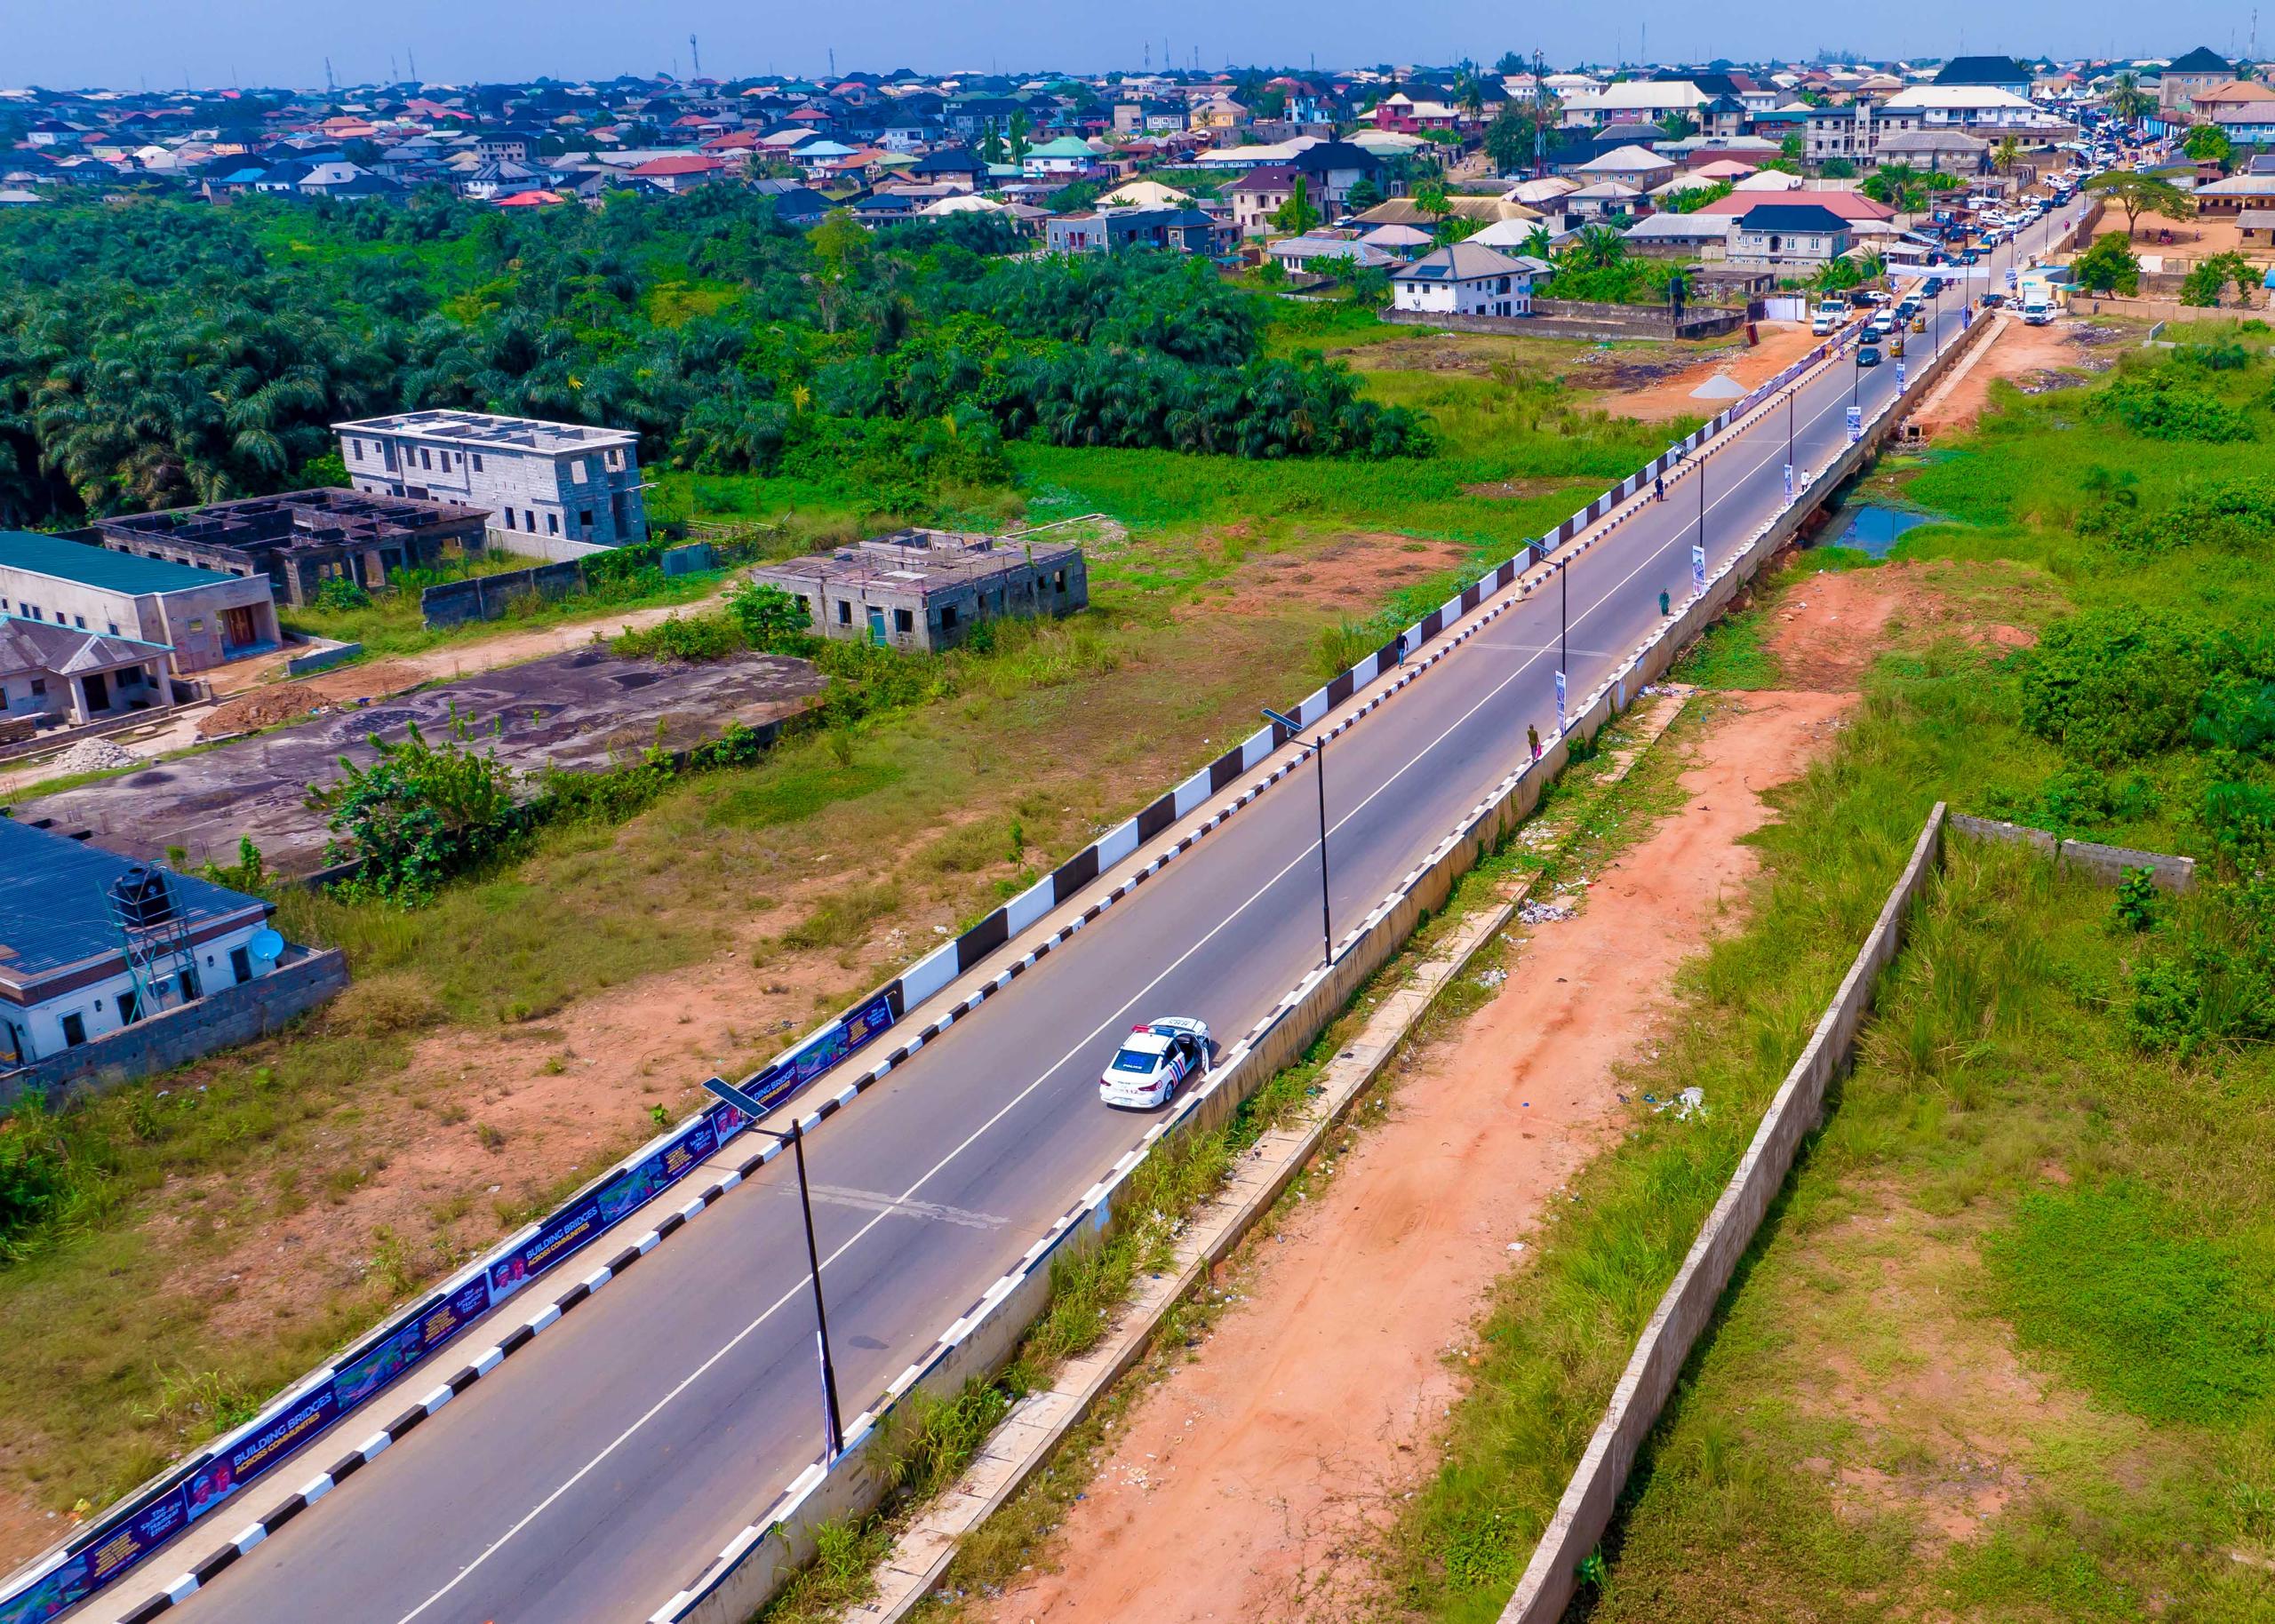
{"points": [[544, 483], [924, 590]]}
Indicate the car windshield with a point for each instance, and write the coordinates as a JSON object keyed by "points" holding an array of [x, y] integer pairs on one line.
{"points": [[1135, 1060]]}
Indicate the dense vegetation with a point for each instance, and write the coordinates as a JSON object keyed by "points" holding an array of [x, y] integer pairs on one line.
{"points": [[163, 353]]}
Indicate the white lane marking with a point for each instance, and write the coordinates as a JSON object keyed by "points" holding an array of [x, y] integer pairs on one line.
{"points": [[799, 1289]]}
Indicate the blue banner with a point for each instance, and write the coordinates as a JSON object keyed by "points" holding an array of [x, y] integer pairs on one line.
{"points": [[556, 1238], [259, 1450], [50, 1593], [151, 1527], [728, 1120]]}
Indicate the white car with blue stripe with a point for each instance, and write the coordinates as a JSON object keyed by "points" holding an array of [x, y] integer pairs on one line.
{"points": [[1152, 1060]]}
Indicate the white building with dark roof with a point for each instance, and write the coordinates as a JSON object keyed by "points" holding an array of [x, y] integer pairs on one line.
{"points": [[544, 483], [1464, 279]]}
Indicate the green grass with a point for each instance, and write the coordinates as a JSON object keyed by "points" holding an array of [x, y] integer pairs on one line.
{"points": [[1729, 654], [393, 624]]}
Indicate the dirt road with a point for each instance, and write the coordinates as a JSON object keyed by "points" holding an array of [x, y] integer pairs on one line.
{"points": [[1248, 1483]]}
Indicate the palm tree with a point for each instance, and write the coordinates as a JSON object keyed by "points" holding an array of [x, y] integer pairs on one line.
{"points": [[2005, 154], [2127, 101], [1678, 125]]}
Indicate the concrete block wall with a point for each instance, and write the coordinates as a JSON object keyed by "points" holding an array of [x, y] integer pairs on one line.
{"points": [[1683, 1313], [2107, 864], [220, 1020], [487, 597]]}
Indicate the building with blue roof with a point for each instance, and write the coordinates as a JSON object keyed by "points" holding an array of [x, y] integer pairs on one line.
{"points": [[204, 617], [92, 942]]}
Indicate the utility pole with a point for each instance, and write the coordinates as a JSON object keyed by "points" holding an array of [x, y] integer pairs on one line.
{"points": [[331, 86], [695, 56]]}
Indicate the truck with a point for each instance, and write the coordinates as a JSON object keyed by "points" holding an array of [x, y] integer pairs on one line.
{"points": [[2035, 296]]}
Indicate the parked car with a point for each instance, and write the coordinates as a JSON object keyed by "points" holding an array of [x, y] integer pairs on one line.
{"points": [[1152, 1060]]}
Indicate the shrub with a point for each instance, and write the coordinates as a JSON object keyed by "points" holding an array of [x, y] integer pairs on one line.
{"points": [[769, 618], [693, 639], [340, 593], [2114, 685], [419, 815], [2162, 406]]}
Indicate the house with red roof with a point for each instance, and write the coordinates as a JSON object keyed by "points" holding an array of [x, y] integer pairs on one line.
{"points": [[679, 172]]}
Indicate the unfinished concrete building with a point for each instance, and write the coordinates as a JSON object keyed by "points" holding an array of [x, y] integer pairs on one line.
{"points": [[303, 538], [924, 590]]}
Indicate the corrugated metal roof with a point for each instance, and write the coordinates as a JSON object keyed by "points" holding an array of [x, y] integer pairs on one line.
{"points": [[54, 906], [100, 567]]}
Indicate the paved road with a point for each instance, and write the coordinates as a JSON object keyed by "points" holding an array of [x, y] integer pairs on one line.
{"points": [[610, 1459]]}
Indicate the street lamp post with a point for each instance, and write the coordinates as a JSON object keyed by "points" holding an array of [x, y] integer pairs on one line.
{"points": [[1318, 747], [833, 1428]]}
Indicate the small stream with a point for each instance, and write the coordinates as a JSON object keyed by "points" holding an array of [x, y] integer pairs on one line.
{"points": [[1870, 527]]}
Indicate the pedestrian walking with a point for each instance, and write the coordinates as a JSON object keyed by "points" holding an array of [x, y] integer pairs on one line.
{"points": [[1532, 738], [1659, 487], [1666, 606], [1401, 648]]}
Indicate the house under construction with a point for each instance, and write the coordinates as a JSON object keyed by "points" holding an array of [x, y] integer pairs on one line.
{"points": [[924, 590]]}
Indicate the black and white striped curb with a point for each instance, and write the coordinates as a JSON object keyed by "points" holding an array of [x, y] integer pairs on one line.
{"points": [[544, 1319]]}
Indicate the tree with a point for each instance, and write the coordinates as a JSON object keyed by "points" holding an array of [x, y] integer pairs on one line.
{"points": [[2137, 194], [1509, 65], [2006, 154], [1790, 149], [2208, 144], [1296, 216], [1838, 169], [1018, 141], [840, 246], [1469, 95], [1430, 198], [2107, 267], [2127, 101], [1677, 124], [2206, 281], [991, 145], [1364, 194], [1508, 141]]}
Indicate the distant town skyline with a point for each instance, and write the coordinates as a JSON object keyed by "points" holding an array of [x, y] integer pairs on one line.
{"points": [[127, 44]]}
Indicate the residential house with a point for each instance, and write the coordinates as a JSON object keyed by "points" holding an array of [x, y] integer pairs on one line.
{"points": [[1301, 256], [98, 942], [1969, 106], [1637, 168], [1260, 194], [1603, 201], [2184, 76], [2249, 190], [1101, 231], [1464, 279], [679, 172], [59, 676], [1218, 112], [1400, 112], [2001, 73], [1066, 158], [1789, 236], [955, 166], [1681, 237]]}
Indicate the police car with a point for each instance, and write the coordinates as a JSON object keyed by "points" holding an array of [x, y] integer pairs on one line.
{"points": [[1152, 1060]]}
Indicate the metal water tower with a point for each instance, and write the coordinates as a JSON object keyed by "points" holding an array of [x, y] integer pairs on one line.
{"points": [[156, 936]]}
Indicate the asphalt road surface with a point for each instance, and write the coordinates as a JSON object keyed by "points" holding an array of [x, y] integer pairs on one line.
{"points": [[609, 1460]]}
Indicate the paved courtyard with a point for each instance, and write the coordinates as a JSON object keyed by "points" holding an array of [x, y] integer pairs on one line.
{"points": [[585, 709]]}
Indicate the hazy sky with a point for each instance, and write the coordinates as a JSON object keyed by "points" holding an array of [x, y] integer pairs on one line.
{"points": [[123, 43]]}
